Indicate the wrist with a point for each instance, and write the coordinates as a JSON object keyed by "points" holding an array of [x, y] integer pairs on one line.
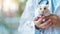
{"points": [[36, 27]]}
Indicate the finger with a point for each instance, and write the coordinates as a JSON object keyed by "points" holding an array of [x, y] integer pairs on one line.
{"points": [[40, 20], [44, 24], [48, 25], [36, 18]]}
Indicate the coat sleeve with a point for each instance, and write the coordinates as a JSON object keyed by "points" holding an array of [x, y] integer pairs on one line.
{"points": [[57, 9], [26, 25]]}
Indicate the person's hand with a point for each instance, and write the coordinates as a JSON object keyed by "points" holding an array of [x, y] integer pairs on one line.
{"points": [[55, 20], [40, 24]]}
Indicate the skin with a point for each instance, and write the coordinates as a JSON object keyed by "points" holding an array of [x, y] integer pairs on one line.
{"points": [[51, 20], [40, 24], [55, 20]]}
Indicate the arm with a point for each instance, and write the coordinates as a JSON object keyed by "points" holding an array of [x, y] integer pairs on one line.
{"points": [[57, 11]]}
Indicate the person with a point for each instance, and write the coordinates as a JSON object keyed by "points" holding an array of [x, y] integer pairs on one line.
{"points": [[28, 22]]}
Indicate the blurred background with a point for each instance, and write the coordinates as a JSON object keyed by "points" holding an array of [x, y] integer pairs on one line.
{"points": [[10, 12]]}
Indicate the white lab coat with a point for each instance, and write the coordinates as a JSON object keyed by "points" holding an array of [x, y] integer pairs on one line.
{"points": [[26, 21]]}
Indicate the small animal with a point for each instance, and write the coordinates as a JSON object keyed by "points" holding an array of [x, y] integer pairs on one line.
{"points": [[42, 10]]}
